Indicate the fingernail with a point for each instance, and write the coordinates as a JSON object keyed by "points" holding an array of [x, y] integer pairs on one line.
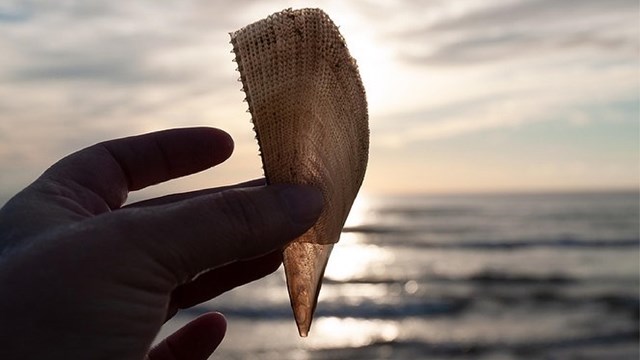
{"points": [[304, 202]]}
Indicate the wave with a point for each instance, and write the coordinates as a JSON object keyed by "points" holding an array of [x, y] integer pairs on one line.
{"points": [[486, 278], [377, 229], [416, 349], [415, 306], [554, 243], [480, 278], [368, 309], [493, 244], [402, 230], [421, 212]]}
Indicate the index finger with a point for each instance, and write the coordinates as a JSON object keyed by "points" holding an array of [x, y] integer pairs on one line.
{"points": [[113, 168]]}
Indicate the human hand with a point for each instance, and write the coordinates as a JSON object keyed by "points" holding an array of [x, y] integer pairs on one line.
{"points": [[83, 277]]}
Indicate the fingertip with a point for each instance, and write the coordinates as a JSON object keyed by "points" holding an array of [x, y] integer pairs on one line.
{"points": [[218, 320], [222, 144], [195, 341], [216, 324]]}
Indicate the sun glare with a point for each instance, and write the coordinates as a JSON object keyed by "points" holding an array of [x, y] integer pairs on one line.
{"points": [[337, 332], [358, 214], [375, 62], [375, 65], [351, 258]]}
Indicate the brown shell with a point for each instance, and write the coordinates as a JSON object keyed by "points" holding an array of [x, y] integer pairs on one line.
{"points": [[309, 112]]}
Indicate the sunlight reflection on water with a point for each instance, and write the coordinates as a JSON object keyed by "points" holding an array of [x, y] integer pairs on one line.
{"points": [[351, 259], [349, 332], [412, 294]]}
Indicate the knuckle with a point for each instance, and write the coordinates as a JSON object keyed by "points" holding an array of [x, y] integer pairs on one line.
{"points": [[147, 246], [241, 212], [245, 217]]}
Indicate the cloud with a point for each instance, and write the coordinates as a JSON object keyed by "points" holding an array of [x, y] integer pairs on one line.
{"points": [[76, 72], [490, 66], [535, 14], [451, 121], [99, 54], [76, 67], [510, 96], [509, 46], [73, 73], [525, 28]]}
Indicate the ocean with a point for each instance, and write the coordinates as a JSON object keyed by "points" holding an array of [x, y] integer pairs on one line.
{"points": [[508, 276]]}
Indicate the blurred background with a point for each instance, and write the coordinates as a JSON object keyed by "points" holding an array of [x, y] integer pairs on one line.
{"points": [[499, 214]]}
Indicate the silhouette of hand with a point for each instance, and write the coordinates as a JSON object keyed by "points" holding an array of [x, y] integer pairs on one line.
{"points": [[84, 277]]}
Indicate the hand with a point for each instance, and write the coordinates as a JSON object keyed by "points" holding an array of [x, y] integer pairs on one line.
{"points": [[83, 277]]}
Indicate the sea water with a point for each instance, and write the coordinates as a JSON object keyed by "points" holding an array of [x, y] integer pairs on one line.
{"points": [[509, 276]]}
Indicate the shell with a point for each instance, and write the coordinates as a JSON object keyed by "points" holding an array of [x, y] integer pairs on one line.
{"points": [[309, 111]]}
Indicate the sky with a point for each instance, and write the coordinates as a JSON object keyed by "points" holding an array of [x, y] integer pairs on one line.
{"points": [[464, 95]]}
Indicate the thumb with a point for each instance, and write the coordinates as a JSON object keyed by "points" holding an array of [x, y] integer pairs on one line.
{"points": [[205, 232]]}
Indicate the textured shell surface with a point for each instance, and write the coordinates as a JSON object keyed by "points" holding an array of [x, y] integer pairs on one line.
{"points": [[309, 112]]}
